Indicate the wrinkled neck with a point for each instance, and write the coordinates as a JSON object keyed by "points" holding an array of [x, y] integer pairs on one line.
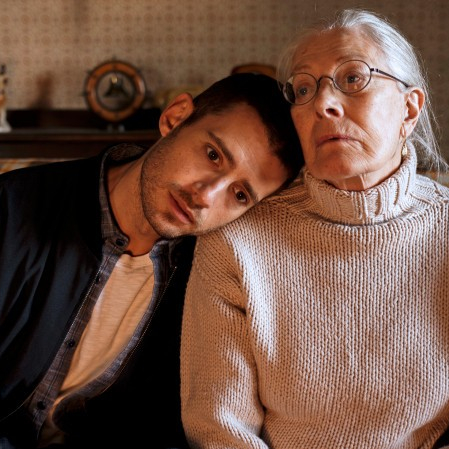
{"points": [[375, 205]]}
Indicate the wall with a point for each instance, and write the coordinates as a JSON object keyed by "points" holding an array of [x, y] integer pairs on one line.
{"points": [[50, 45]]}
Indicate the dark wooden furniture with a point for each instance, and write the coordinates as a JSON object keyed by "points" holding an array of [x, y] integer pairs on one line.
{"points": [[72, 133]]}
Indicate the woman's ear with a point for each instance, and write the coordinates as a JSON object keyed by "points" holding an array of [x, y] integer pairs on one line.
{"points": [[176, 112], [413, 106]]}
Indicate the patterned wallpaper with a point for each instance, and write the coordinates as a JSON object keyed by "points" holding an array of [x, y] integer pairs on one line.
{"points": [[49, 46]]}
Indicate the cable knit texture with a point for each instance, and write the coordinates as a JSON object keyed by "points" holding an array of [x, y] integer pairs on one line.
{"points": [[320, 319]]}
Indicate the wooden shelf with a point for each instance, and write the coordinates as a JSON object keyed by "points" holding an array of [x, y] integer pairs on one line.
{"points": [[71, 143], [72, 133]]}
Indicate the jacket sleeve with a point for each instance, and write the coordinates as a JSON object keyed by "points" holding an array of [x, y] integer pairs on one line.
{"points": [[220, 402]]}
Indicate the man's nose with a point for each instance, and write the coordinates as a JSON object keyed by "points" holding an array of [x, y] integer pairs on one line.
{"points": [[206, 191]]}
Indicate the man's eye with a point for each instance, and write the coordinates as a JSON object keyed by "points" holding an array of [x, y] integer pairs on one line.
{"points": [[212, 154], [241, 197]]}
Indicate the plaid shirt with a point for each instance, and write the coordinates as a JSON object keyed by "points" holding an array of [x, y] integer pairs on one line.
{"points": [[114, 244]]}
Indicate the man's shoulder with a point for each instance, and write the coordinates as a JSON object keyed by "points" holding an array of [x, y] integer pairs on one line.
{"points": [[43, 169], [58, 185]]}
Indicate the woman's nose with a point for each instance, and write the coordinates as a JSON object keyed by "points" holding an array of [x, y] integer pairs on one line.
{"points": [[327, 99]]}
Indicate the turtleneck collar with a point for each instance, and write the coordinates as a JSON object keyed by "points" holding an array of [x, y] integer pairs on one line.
{"points": [[375, 205]]}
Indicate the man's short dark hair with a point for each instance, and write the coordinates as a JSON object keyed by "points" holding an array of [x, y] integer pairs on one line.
{"points": [[263, 94]]}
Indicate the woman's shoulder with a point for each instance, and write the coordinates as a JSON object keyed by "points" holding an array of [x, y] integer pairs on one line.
{"points": [[436, 186]]}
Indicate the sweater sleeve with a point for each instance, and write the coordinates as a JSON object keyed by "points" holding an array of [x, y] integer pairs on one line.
{"points": [[220, 402]]}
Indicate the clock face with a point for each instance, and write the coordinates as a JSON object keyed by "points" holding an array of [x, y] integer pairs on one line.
{"points": [[115, 90]]}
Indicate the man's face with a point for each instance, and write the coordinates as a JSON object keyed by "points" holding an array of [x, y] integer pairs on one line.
{"points": [[207, 174]]}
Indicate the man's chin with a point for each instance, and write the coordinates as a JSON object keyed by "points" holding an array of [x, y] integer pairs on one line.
{"points": [[171, 232]]}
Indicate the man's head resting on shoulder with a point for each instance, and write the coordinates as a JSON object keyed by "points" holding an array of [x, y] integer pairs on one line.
{"points": [[220, 154]]}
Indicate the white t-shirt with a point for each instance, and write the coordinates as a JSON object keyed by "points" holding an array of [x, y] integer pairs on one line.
{"points": [[119, 308]]}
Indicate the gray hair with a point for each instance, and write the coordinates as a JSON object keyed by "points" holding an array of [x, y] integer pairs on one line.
{"points": [[400, 57]]}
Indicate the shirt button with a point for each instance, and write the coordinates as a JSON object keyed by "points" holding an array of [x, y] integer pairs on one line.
{"points": [[120, 242], [70, 343], [41, 405]]}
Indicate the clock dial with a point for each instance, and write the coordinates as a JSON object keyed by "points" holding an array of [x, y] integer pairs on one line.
{"points": [[115, 90]]}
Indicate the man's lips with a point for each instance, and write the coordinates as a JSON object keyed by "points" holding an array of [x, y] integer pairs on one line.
{"points": [[181, 210]]}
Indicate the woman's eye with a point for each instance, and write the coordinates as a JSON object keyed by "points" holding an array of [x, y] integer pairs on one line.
{"points": [[212, 154], [303, 91], [304, 85], [241, 197], [352, 78]]}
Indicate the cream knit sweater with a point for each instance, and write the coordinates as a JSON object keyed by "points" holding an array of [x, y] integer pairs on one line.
{"points": [[320, 320]]}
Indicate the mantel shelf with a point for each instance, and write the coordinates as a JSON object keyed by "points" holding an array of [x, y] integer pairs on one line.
{"points": [[69, 134]]}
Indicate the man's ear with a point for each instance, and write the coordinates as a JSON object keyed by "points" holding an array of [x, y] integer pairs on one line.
{"points": [[413, 106], [176, 112]]}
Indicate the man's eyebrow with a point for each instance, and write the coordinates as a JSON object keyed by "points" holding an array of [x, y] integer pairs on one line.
{"points": [[230, 158]]}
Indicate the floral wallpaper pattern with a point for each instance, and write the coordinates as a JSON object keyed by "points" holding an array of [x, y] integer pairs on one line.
{"points": [[49, 46]]}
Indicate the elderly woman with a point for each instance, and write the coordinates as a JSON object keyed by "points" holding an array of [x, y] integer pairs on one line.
{"points": [[321, 319]]}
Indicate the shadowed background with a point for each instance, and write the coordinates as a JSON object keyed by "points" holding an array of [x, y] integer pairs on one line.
{"points": [[49, 46]]}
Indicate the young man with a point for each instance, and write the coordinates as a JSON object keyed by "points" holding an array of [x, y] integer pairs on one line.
{"points": [[89, 323]]}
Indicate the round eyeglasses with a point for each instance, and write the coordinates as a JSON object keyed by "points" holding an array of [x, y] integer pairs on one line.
{"points": [[350, 77]]}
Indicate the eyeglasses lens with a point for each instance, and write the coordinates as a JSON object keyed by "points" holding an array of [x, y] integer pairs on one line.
{"points": [[349, 77], [352, 76]]}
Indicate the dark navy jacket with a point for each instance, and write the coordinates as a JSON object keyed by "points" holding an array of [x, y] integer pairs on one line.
{"points": [[50, 251]]}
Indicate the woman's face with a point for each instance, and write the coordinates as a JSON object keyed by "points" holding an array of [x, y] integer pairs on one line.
{"points": [[352, 141]]}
